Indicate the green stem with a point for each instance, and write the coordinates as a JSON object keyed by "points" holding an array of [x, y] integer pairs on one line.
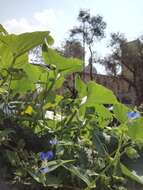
{"points": [[46, 92], [117, 155], [71, 118]]}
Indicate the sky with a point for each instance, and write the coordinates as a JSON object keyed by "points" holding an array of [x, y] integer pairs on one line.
{"points": [[59, 16]]}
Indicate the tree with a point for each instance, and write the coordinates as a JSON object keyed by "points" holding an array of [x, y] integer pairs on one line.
{"points": [[127, 58], [90, 29], [73, 48]]}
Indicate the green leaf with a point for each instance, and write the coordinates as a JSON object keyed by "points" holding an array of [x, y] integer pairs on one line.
{"points": [[32, 75], [80, 87], [28, 81], [3, 91], [120, 111], [131, 175], [62, 64], [99, 142], [135, 129], [76, 171], [53, 102], [6, 56], [99, 94], [36, 176], [104, 115], [19, 44], [59, 82], [53, 181], [52, 165], [3, 30], [47, 181]]}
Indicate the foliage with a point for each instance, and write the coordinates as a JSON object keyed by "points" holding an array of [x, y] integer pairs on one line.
{"points": [[73, 48], [126, 58], [48, 140], [90, 29]]}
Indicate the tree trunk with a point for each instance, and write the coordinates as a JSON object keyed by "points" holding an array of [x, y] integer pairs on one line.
{"points": [[139, 84], [90, 63], [139, 92]]}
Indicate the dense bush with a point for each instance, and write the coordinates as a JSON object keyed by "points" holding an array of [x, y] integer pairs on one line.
{"points": [[50, 140]]}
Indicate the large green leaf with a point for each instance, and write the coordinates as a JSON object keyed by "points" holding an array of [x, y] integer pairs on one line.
{"points": [[12, 46], [6, 58], [62, 64], [99, 94], [28, 81], [32, 75], [19, 44], [96, 96]]}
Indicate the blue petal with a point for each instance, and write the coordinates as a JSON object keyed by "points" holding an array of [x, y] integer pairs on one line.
{"points": [[44, 170], [50, 155], [43, 156], [133, 115]]}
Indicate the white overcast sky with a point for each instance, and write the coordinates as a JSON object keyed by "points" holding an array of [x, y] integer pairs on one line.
{"points": [[59, 16]]}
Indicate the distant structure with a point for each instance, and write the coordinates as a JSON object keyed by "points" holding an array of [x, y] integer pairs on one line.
{"points": [[121, 88]]}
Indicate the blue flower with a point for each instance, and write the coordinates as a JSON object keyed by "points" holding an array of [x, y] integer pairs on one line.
{"points": [[43, 156], [50, 155], [133, 115], [53, 142], [44, 170], [46, 155]]}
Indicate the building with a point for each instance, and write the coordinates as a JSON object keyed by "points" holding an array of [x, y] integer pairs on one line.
{"points": [[131, 54], [124, 91]]}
